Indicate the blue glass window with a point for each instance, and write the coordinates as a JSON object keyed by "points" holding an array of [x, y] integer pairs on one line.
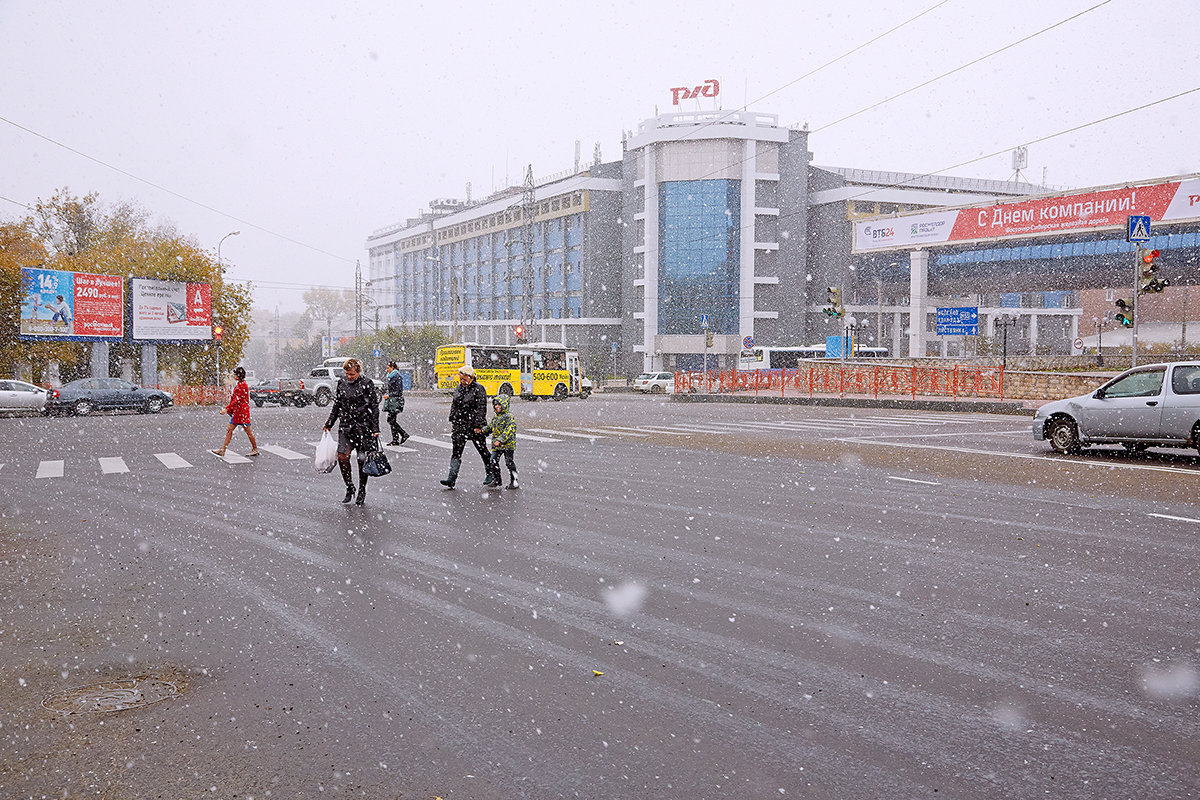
{"points": [[698, 255]]}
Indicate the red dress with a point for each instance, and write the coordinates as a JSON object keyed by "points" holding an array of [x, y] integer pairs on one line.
{"points": [[239, 405]]}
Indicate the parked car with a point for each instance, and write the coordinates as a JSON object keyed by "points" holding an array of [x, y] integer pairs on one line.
{"points": [[322, 382], [1152, 406], [18, 395], [284, 391], [655, 382], [87, 395]]}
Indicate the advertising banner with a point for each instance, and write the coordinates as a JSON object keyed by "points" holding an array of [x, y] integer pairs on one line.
{"points": [[171, 311], [76, 306], [1171, 201]]}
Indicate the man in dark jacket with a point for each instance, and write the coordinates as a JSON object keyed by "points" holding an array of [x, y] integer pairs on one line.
{"points": [[468, 416], [356, 411]]}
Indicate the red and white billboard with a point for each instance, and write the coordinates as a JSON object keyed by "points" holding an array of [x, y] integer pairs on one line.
{"points": [[171, 310], [77, 306], [1093, 209]]}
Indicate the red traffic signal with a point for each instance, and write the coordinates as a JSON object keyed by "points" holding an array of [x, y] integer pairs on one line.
{"points": [[1148, 256], [217, 333], [519, 330]]}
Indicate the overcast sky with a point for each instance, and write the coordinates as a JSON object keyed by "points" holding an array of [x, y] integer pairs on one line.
{"points": [[308, 125]]}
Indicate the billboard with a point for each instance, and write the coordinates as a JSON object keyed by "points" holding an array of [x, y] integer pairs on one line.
{"points": [[71, 306], [1169, 201], [171, 310]]}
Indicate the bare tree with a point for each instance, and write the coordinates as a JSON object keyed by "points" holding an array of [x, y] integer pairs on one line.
{"points": [[327, 305]]}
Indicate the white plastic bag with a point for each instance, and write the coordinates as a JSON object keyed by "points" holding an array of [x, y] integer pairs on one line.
{"points": [[326, 458]]}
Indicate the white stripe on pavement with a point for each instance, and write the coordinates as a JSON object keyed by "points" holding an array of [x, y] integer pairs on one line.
{"points": [[592, 436], [537, 438], [50, 469], [283, 452], [172, 460], [912, 480], [434, 442], [399, 448], [690, 428], [652, 429], [114, 464], [231, 457], [1178, 519], [612, 432]]}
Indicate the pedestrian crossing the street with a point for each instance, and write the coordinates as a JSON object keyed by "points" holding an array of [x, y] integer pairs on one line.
{"points": [[832, 427]]}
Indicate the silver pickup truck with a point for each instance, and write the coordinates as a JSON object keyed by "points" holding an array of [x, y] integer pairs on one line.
{"points": [[1152, 406], [322, 382]]}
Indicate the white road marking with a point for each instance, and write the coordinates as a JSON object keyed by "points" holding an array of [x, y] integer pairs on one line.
{"points": [[230, 457], [592, 436], [172, 460], [1180, 519], [50, 469], [613, 431], [399, 448], [912, 480], [646, 430], [434, 442], [537, 438], [283, 452], [697, 429], [114, 464]]}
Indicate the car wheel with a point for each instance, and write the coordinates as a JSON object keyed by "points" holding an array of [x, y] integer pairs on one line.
{"points": [[656, 389], [1064, 436], [560, 392], [258, 402], [84, 407], [154, 405], [299, 401], [506, 390], [322, 398]]}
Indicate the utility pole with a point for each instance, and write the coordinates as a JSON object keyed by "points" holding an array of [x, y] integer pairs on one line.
{"points": [[358, 299], [528, 210]]}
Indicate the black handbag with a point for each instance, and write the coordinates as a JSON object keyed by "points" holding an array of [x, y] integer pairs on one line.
{"points": [[376, 464]]}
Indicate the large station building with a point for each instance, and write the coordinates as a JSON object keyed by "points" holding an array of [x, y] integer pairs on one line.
{"points": [[717, 219]]}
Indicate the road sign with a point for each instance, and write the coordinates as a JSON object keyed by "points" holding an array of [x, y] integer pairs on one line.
{"points": [[704, 321], [961, 321], [1138, 229], [747, 342], [1077, 345], [378, 352]]}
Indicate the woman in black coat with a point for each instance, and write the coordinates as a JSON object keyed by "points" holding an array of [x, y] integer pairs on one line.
{"points": [[468, 415], [357, 409]]}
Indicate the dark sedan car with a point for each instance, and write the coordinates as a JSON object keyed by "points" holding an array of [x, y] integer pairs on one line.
{"points": [[83, 397]]}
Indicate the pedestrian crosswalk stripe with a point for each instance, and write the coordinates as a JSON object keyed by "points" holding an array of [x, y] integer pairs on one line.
{"points": [[537, 438], [591, 436], [399, 448], [612, 431], [283, 452], [434, 442], [50, 469], [110, 465], [687, 426], [646, 430], [172, 460], [231, 457]]}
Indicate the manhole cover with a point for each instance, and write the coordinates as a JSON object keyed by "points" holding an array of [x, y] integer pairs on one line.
{"points": [[111, 696]]}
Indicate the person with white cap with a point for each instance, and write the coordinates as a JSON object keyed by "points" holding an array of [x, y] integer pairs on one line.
{"points": [[468, 416]]}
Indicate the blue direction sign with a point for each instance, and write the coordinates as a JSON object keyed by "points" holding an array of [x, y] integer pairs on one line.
{"points": [[1138, 229], [704, 321], [962, 321], [378, 352]]}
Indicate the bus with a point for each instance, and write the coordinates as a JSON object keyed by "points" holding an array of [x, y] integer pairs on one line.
{"points": [[538, 369], [789, 357]]}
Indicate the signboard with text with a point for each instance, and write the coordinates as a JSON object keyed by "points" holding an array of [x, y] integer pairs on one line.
{"points": [[71, 306], [1170, 201], [963, 321], [171, 311]]}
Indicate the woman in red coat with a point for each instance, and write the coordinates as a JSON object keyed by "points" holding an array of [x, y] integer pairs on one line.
{"points": [[239, 414]]}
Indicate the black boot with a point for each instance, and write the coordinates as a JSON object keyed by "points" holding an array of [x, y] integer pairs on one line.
{"points": [[362, 487], [455, 463], [348, 477], [512, 480]]}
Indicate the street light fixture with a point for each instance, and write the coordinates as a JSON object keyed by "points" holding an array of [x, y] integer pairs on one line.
{"points": [[221, 266]]}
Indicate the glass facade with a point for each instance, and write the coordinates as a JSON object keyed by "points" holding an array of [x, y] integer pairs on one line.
{"points": [[698, 256]]}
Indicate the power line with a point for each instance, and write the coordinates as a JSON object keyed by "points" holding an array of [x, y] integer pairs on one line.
{"points": [[173, 193], [964, 66]]}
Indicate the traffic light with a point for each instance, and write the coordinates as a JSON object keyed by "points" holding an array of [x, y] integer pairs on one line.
{"points": [[1125, 315], [519, 331], [1147, 282], [835, 307], [217, 333], [708, 338]]}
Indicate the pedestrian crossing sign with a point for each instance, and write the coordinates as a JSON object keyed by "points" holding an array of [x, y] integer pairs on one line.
{"points": [[1139, 228]]}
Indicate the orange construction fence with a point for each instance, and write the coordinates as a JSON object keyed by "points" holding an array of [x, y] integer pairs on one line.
{"points": [[198, 395], [869, 380]]}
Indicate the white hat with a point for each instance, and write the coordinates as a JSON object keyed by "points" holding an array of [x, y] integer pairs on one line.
{"points": [[466, 370]]}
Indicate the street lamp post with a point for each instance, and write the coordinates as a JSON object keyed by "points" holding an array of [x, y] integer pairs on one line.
{"points": [[221, 274], [1099, 341]]}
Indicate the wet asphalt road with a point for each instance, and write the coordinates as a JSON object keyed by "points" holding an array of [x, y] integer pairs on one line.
{"points": [[783, 602]]}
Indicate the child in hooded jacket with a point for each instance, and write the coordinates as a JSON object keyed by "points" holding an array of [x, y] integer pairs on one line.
{"points": [[503, 429]]}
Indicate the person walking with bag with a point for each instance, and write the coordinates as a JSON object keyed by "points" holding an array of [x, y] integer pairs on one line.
{"points": [[393, 403], [468, 415], [503, 429], [356, 410], [238, 410]]}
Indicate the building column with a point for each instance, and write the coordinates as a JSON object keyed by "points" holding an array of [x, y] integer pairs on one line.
{"points": [[746, 241], [1033, 333], [650, 361], [918, 282], [897, 333]]}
